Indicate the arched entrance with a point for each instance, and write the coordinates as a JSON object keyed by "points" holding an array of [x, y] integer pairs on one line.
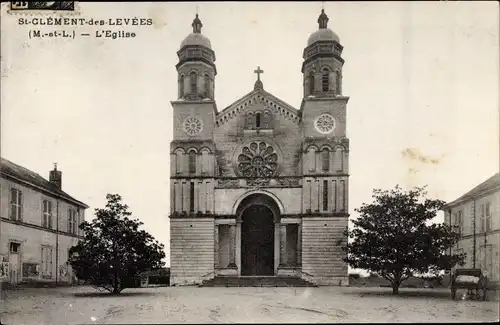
{"points": [[258, 214], [257, 241]]}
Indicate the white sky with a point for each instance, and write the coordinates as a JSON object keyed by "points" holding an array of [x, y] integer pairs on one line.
{"points": [[423, 76]]}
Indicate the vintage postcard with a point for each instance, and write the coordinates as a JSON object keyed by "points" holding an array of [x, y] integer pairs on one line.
{"points": [[261, 162]]}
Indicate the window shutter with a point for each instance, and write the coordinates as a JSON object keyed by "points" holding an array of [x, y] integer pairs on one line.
{"points": [[181, 87], [311, 83], [207, 86], [337, 82], [50, 214], [325, 80], [69, 220], [50, 251], [13, 208], [325, 195], [194, 82], [20, 216], [43, 213]]}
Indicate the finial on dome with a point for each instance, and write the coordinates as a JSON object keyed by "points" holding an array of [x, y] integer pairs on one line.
{"points": [[197, 25], [323, 19]]}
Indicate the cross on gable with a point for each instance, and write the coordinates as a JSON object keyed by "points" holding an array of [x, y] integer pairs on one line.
{"points": [[258, 72]]}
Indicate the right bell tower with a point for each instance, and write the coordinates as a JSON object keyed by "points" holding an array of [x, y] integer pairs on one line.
{"points": [[325, 158], [322, 67]]}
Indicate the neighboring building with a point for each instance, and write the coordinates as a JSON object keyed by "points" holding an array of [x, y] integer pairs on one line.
{"points": [[476, 215], [38, 225], [259, 188]]}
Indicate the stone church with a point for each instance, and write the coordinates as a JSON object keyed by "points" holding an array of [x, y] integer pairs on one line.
{"points": [[259, 188]]}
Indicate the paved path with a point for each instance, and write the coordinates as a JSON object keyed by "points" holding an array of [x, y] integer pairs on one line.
{"points": [[79, 305]]}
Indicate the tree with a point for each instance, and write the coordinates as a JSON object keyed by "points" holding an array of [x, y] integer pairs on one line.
{"points": [[391, 236], [114, 251]]}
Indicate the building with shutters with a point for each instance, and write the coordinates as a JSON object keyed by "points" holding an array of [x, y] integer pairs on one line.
{"points": [[476, 215], [259, 188], [38, 225]]}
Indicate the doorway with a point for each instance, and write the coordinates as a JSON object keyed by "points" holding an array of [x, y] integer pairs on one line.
{"points": [[257, 241], [14, 262]]}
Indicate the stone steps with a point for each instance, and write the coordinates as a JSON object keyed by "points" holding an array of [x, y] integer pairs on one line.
{"points": [[256, 281]]}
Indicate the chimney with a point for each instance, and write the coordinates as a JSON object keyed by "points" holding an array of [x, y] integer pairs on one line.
{"points": [[55, 177]]}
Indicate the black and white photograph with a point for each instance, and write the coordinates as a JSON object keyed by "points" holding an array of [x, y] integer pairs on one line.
{"points": [[249, 162]]}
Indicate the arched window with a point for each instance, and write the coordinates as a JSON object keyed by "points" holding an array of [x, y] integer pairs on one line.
{"points": [[181, 87], [207, 86], [257, 120], [337, 82], [205, 162], [180, 162], [194, 82], [311, 83], [266, 120], [339, 159], [325, 79], [325, 160], [192, 162], [311, 159], [249, 121]]}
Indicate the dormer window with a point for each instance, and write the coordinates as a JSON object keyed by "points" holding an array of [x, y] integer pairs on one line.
{"points": [[194, 82], [325, 79]]}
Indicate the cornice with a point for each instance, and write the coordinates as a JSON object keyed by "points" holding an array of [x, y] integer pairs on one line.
{"points": [[259, 96], [29, 225], [44, 190]]}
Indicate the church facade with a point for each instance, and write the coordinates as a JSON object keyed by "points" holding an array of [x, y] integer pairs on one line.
{"points": [[259, 188]]}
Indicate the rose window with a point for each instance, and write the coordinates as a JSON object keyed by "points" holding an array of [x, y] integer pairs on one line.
{"points": [[192, 126], [258, 160], [325, 123]]}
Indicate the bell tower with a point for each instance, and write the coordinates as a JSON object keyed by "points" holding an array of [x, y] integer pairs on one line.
{"points": [[192, 162], [322, 67], [325, 153], [196, 68]]}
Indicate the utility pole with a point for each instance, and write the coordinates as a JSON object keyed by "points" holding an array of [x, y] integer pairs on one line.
{"points": [[449, 216], [57, 241], [474, 235]]}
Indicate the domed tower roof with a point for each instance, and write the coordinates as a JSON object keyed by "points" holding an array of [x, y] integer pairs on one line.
{"points": [[196, 47], [196, 38], [323, 33]]}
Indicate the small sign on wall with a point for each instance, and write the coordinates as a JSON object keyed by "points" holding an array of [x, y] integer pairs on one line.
{"points": [[4, 269]]}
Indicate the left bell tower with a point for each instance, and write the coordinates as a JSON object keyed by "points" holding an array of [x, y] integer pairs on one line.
{"points": [[192, 149], [196, 69], [192, 163]]}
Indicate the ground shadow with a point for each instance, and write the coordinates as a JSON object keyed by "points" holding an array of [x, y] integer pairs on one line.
{"points": [[104, 294], [404, 293]]}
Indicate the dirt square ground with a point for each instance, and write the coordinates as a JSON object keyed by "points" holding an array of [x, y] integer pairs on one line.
{"points": [[78, 305]]}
